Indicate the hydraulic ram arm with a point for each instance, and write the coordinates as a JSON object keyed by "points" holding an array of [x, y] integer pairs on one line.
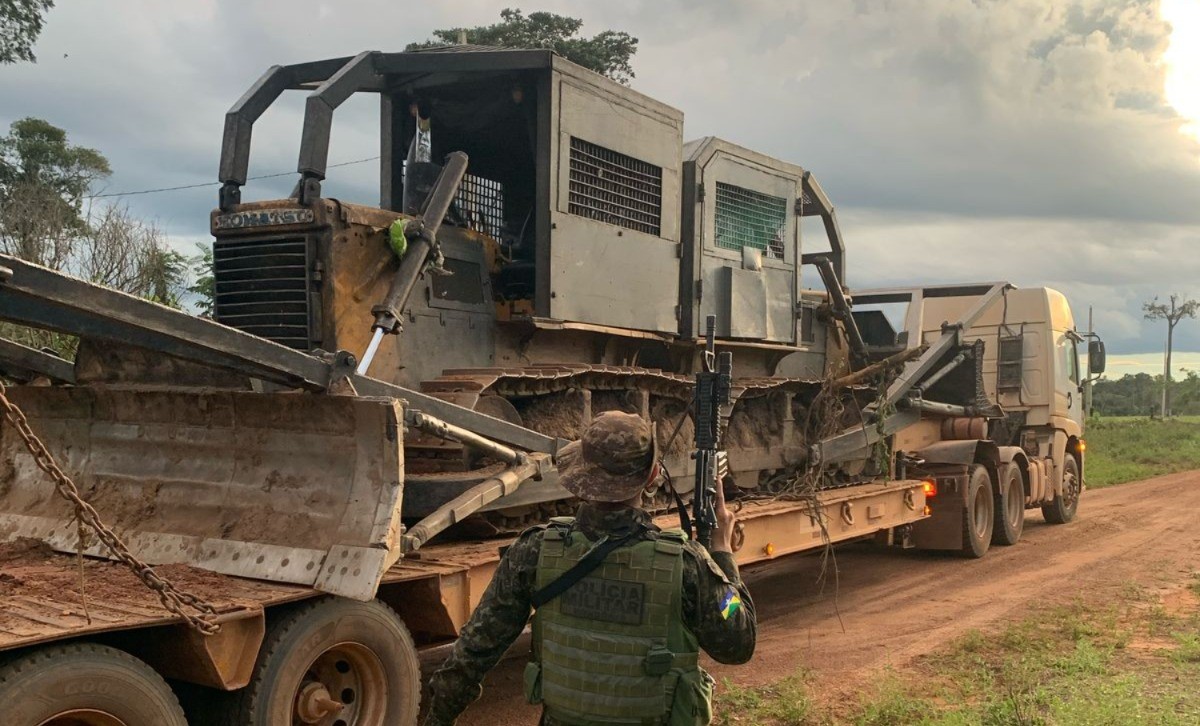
{"points": [[852, 441], [422, 248]]}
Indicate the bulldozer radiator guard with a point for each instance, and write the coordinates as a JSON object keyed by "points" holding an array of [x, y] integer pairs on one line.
{"points": [[287, 487]]}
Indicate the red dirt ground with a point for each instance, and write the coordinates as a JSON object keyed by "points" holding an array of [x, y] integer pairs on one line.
{"points": [[896, 605]]}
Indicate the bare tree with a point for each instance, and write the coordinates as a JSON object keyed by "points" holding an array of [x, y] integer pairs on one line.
{"points": [[44, 218], [115, 249], [130, 255], [1173, 313]]}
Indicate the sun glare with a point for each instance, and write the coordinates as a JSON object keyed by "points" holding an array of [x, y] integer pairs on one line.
{"points": [[1183, 61]]}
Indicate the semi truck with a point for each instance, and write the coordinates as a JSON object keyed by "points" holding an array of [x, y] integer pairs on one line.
{"points": [[263, 518]]}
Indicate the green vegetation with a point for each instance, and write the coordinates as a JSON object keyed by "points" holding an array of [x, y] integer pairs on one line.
{"points": [[608, 53], [1128, 661], [1127, 448], [1141, 395], [785, 703]]}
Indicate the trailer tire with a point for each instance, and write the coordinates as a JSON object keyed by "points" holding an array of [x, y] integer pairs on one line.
{"points": [[85, 684], [979, 514], [1062, 509], [358, 654], [1010, 506]]}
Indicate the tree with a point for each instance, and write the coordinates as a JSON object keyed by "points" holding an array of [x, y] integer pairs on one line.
{"points": [[131, 255], [1177, 311], [204, 286], [44, 180], [608, 53], [20, 25]]}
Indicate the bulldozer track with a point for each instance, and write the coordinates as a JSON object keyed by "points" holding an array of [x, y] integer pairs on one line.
{"points": [[766, 415]]}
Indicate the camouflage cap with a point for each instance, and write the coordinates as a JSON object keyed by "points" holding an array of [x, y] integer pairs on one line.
{"points": [[613, 460]]}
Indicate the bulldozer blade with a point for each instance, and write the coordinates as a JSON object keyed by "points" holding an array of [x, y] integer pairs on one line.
{"points": [[288, 487]]}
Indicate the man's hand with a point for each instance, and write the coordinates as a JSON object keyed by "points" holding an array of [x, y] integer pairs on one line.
{"points": [[722, 535]]}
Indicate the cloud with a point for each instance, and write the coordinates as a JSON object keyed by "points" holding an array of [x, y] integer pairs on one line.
{"points": [[1020, 139], [1111, 266]]}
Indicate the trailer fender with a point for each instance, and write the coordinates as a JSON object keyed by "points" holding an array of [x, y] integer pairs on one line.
{"points": [[1016, 455]]}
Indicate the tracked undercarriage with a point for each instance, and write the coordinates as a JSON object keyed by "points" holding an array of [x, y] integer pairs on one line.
{"points": [[770, 428]]}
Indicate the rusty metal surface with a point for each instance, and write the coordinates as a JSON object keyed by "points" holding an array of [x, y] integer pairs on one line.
{"points": [[40, 596], [283, 487]]}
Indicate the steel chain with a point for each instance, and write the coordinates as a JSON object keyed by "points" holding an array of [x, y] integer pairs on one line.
{"points": [[173, 599]]}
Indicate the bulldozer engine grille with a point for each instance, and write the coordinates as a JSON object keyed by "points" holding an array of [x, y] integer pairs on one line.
{"points": [[262, 288], [611, 187], [481, 202], [746, 218]]}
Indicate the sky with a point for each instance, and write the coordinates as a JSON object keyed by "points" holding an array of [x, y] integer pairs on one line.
{"points": [[1044, 142]]}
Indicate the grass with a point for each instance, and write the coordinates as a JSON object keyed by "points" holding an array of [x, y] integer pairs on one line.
{"points": [[1128, 660], [1122, 449], [786, 703]]}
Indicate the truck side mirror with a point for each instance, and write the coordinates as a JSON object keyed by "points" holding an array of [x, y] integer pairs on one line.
{"points": [[1095, 357]]}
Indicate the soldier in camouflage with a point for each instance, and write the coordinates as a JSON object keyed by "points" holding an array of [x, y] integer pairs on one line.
{"points": [[617, 640]]}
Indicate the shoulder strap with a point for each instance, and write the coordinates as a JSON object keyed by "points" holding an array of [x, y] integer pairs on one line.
{"points": [[590, 561]]}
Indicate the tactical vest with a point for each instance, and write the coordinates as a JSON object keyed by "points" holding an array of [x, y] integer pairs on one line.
{"points": [[613, 649]]}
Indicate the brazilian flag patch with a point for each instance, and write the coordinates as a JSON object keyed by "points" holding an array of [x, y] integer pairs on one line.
{"points": [[730, 604]]}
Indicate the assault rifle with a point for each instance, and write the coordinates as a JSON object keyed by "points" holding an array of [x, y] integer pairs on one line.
{"points": [[711, 394]]}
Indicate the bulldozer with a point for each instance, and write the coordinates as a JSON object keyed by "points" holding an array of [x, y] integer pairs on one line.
{"points": [[580, 256]]}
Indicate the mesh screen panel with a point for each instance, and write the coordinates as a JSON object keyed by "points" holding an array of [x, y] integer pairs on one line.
{"points": [[746, 218], [611, 187], [482, 203]]}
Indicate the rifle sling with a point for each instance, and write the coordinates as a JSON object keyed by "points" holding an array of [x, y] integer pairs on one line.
{"points": [[685, 520], [593, 559]]}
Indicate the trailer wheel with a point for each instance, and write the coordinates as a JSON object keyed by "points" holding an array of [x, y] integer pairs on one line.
{"points": [[1010, 506], [333, 662], [1062, 509], [84, 684], [979, 514]]}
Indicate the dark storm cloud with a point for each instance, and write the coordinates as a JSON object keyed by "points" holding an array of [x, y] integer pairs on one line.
{"points": [[1018, 139]]}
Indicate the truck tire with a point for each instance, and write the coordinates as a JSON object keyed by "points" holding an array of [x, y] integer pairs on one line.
{"points": [[979, 514], [333, 661], [84, 684], [1010, 506], [1062, 509]]}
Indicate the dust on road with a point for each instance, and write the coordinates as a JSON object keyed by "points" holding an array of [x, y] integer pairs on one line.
{"points": [[898, 605]]}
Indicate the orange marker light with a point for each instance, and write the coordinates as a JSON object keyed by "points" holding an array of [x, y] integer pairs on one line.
{"points": [[930, 487], [1082, 446], [769, 550], [928, 510]]}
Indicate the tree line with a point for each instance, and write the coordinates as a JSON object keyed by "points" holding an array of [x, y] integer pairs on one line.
{"points": [[1141, 395]]}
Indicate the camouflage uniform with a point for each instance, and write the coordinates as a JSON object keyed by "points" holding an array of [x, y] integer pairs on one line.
{"points": [[708, 580]]}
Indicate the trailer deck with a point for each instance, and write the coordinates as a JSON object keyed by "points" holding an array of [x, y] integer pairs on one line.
{"points": [[435, 588]]}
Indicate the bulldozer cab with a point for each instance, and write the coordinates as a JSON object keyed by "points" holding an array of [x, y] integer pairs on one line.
{"points": [[570, 173]]}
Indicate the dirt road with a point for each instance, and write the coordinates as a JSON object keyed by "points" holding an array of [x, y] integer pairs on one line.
{"points": [[897, 605]]}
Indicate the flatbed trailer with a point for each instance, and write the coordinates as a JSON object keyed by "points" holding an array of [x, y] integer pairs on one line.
{"points": [[434, 592]]}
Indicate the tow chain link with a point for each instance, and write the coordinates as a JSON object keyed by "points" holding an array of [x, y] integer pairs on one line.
{"points": [[173, 599]]}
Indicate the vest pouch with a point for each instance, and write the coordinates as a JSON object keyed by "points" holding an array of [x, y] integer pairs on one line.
{"points": [[659, 661], [692, 703], [533, 683]]}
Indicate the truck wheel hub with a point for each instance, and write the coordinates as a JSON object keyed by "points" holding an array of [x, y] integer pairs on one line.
{"points": [[313, 703], [345, 686]]}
